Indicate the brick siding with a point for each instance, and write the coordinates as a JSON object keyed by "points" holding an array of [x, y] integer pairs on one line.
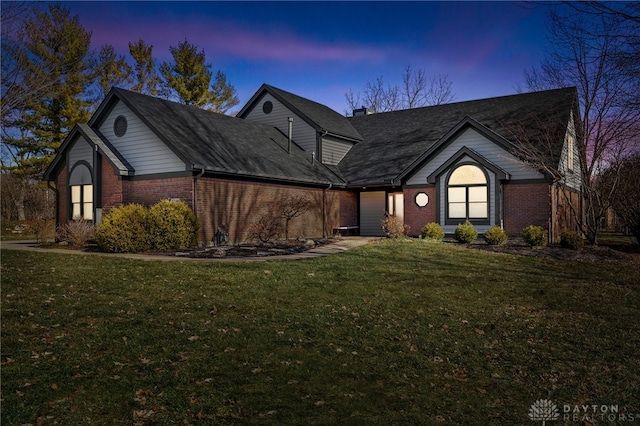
{"points": [[149, 191], [526, 204], [112, 188], [348, 208], [63, 195], [414, 216], [238, 204]]}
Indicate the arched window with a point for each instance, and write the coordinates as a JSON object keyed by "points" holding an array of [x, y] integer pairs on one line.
{"points": [[467, 194], [81, 190]]}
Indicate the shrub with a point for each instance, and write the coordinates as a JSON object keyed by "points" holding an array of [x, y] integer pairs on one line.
{"points": [[124, 230], [77, 233], [571, 239], [172, 226], [266, 228], [465, 232], [432, 231], [495, 236], [44, 231], [534, 235], [394, 227]]}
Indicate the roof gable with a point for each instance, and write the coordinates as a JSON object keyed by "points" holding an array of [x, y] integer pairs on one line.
{"points": [[120, 164], [394, 143], [318, 116], [223, 144]]}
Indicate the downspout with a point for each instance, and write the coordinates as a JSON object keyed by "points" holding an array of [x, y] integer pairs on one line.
{"points": [[324, 210], [55, 191], [195, 192]]}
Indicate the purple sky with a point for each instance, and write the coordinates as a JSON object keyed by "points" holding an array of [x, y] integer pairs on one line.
{"points": [[321, 50]]}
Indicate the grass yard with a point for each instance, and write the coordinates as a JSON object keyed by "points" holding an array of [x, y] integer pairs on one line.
{"points": [[404, 332]]}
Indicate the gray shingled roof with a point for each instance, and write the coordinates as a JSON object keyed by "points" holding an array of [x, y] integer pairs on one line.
{"points": [[320, 116], [224, 144], [392, 141]]}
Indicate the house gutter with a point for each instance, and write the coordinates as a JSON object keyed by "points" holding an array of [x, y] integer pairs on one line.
{"points": [[55, 191]]}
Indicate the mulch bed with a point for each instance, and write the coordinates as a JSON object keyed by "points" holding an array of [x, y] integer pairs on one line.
{"points": [[278, 248], [601, 253]]}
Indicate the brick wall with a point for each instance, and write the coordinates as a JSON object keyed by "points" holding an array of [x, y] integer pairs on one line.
{"points": [[348, 208], [238, 204], [63, 191], [149, 191], [112, 188], [526, 204], [414, 216]]}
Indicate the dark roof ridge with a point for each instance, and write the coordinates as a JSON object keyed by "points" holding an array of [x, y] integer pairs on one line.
{"points": [[469, 101]]}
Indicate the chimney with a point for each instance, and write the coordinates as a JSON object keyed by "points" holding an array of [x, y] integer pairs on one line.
{"points": [[290, 134], [362, 111]]}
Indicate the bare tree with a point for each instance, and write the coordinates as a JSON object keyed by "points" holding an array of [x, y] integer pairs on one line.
{"points": [[417, 90], [292, 206], [589, 52], [621, 180]]}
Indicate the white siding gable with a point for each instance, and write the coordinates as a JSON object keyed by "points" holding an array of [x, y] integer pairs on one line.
{"points": [[483, 146], [144, 151], [303, 134]]}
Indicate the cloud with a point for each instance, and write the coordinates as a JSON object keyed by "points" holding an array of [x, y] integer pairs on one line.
{"points": [[230, 41]]}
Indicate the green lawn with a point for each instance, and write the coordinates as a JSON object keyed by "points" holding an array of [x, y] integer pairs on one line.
{"points": [[402, 333]]}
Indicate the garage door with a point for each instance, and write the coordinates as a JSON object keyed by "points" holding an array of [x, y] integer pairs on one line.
{"points": [[372, 209]]}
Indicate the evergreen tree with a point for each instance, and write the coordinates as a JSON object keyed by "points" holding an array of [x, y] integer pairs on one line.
{"points": [[147, 80], [55, 50], [224, 95], [189, 77], [112, 70]]}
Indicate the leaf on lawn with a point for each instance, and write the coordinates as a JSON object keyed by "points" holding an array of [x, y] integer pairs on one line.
{"points": [[214, 310], [478, 331], [54, 386]]}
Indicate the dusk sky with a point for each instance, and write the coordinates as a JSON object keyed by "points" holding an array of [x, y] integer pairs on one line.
{"points": [[321, 50]]}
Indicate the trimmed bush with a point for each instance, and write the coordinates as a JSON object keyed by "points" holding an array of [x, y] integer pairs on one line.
{"points": [[495, 236], [465, 232], [534, 235], [571, 239], [432, 231], [172, 225], [124, 230], [394, 227]]}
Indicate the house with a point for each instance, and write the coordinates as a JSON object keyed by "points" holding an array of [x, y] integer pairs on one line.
{"points": [[442, 164]]}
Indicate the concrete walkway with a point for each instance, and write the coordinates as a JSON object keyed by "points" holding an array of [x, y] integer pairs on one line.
{"points": [[341, 245]]}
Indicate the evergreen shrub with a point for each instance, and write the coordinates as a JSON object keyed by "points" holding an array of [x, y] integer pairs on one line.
{"points": [[465, 232], [432, 231], [571, 239], [172, 225], [534, 235], [495, 236], [124, 230]]}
